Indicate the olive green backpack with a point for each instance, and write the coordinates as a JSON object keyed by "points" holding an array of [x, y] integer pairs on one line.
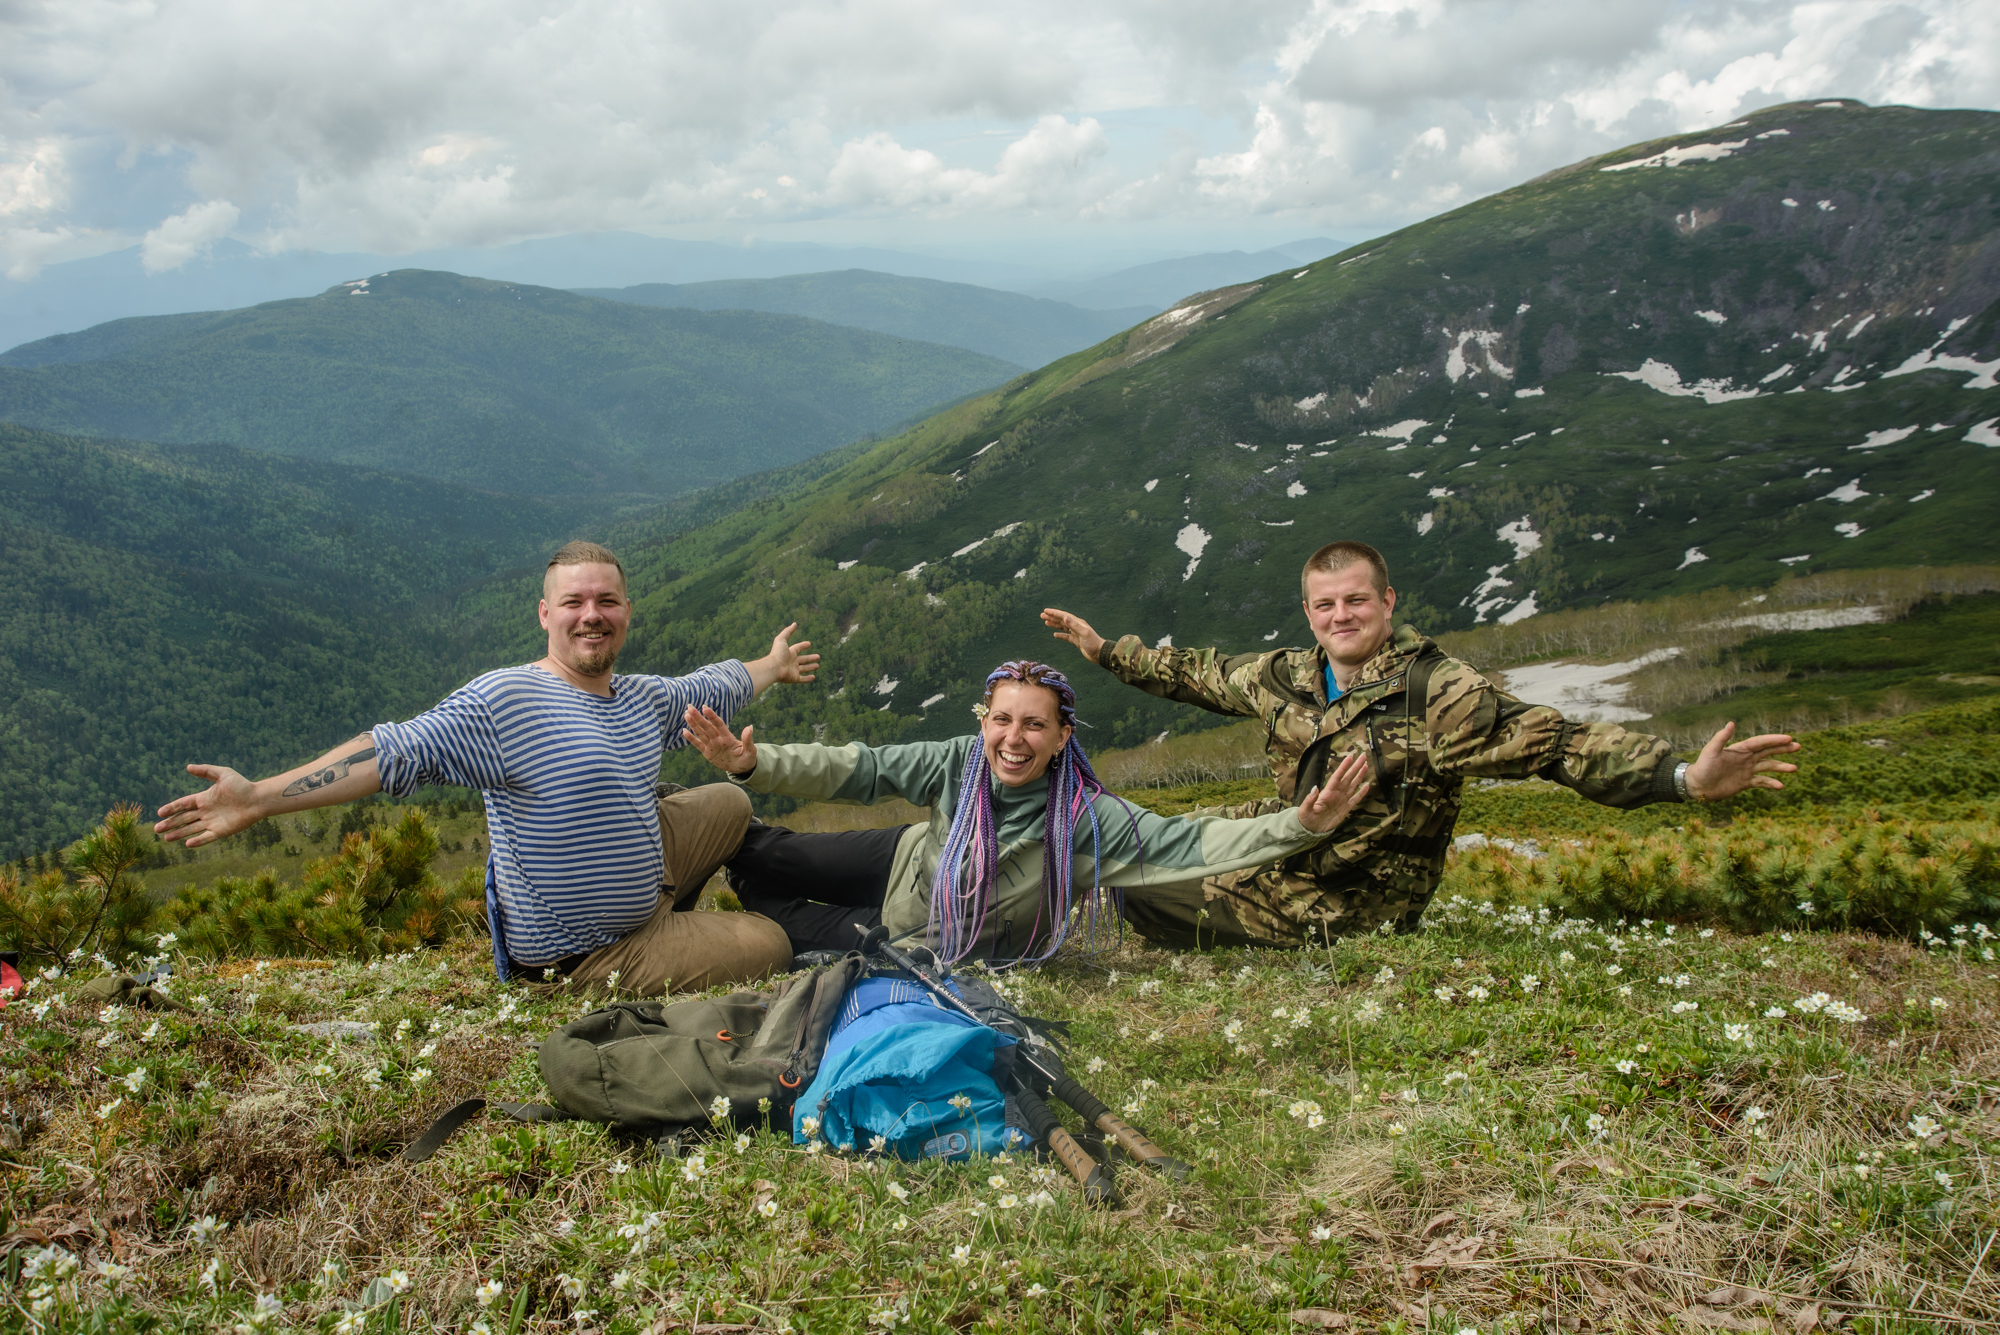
{"points": [[655, 1069]]}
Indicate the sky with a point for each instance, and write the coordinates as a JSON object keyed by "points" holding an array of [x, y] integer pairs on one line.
{"points": [[1021, 129]]}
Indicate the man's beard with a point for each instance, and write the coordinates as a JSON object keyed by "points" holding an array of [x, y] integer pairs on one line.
{"points": [[596, 662]]}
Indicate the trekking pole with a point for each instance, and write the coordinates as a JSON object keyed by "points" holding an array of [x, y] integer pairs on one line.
{"points": [[1094, 1177], [1088, 1106], [1093, 1110]]}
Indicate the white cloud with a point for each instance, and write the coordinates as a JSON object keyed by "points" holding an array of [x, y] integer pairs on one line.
{"points": [[187, 234], [394, 127]]}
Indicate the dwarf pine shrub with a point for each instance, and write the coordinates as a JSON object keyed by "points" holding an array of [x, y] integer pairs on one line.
{"points": [[1883, 874], [376, 895], [88, 904]]}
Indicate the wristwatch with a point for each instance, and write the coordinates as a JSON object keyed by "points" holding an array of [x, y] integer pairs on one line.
{"points": [[1681, 781]]}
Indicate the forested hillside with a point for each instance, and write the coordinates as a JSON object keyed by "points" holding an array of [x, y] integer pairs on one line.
{"points": [[170, 603], [495, 385], [1765, 349]]}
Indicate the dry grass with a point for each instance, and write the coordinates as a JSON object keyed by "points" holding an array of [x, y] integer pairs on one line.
{"points": [[1697, 623]]}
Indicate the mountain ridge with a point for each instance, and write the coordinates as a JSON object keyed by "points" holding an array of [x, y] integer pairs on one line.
{"points": [[527, 389], [1623, 381], [1027, 331]]}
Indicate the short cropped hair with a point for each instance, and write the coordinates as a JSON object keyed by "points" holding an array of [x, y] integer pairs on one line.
{"points": [[581, 553], [1340, 555]]}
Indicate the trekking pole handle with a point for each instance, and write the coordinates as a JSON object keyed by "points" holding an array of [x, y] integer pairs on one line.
{"points": [[1094, 1176], [1093, 1110], [1097, 1188]]}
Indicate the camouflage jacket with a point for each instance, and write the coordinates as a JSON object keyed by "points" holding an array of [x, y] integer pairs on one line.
{"points": [[1384, 862]]}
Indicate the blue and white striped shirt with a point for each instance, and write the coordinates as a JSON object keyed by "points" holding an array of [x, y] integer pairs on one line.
{"points": [[568, 778]]}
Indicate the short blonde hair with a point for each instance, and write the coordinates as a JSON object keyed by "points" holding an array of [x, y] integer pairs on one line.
{"points": [[581, 553], [1340, 555]]}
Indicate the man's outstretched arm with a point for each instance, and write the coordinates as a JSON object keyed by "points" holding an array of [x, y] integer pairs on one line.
{"points": [[232, 803], [1207, 678]]}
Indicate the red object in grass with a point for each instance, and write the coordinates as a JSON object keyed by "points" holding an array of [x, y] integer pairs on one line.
{"points": [[10, 984]]}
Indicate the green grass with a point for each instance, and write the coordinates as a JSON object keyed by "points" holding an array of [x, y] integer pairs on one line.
{"points": [[1506, 1116], [1392, 1127]]}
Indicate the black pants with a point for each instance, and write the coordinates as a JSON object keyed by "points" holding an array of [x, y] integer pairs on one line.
{"points": [[818, 887]]}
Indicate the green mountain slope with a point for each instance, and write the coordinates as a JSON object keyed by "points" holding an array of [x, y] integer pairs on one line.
{"points": [[174, 603], [493, 385], [1766, 348], [1026, 331]]}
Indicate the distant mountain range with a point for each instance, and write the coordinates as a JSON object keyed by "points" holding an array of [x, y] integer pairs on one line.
{"points": [[1027, 331], [496, 385], [1163, 283], [78, 294]]}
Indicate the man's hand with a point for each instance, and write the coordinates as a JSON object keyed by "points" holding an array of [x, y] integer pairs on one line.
{"points": [[786, 662], [1723, 770], [229, 804], [1328, 805], [1074, 629], [723, 749]]}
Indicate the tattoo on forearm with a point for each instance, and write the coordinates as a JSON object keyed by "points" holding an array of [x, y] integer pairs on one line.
{"points": [[333, 773]]}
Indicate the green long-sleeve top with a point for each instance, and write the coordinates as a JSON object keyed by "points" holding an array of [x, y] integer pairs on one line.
{"points": [[929, 773]]}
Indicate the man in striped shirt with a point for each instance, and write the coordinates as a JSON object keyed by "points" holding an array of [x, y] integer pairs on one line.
{"points": [[590, 874]]}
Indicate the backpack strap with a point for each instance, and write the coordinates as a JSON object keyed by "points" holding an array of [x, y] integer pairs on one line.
{"points": [[424, 1146]]}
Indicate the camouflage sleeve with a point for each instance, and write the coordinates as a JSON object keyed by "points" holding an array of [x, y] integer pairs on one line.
{"points": [[1220, 683], [1478, 730]]}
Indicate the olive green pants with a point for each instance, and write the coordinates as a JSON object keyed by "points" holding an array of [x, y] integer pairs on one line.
{"points": [[681, 948]]}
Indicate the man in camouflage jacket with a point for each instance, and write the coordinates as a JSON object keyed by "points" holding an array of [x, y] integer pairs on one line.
{"points": [[1425, 721]]}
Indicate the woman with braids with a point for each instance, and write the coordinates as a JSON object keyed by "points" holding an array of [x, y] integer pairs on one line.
{"points": [[1022, 841]]}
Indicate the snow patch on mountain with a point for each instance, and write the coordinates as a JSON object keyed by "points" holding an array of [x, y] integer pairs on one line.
{"points": [[1658, 375], [1674, 157], [1521, 533], [1584, 692], [1193, 540], [1889, 436]]}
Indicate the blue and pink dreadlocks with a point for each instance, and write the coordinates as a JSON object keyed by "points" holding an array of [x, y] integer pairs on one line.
{"points": [[969, 865]]}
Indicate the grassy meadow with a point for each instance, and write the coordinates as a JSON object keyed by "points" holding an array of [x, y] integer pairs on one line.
{"points": [[1735, 1069]]}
